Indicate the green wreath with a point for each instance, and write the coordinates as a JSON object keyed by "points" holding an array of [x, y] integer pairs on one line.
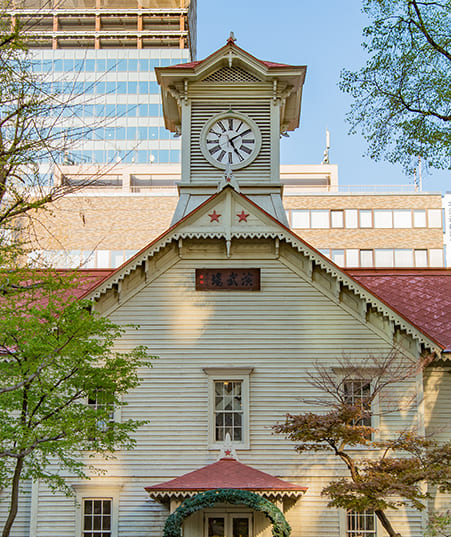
{"points": [[203, 500]]}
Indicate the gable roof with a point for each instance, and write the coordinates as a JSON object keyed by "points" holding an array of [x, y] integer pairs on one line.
{"points": [[227, 473], [197, 224], [423, 296]]}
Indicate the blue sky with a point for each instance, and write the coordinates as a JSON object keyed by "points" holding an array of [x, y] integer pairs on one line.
{"points": [[326, 36]]}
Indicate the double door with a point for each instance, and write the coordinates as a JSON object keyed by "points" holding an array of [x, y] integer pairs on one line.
{"points": [[228, 525]]}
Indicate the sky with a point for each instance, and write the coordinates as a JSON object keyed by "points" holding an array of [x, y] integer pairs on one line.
{"points": [[325, 35]]}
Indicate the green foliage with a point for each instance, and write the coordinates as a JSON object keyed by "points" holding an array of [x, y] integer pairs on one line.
{"points": [[56, 356], [402, 97], [439, 525], [205, 500]]}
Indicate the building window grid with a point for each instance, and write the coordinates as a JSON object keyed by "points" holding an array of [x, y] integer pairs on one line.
{"points": [[366, 218], [228, 414], [97, 517], [365, 258], [360, 524]]}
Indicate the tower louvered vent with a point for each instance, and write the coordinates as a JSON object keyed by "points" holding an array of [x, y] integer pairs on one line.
{"points": [[230, 75]]}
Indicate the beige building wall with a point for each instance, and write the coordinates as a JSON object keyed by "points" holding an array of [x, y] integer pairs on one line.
{"points": [[123, 210]]}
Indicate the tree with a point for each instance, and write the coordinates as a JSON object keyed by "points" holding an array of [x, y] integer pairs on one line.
{"points": [[402, 97], [60, 380], [393, 473]]}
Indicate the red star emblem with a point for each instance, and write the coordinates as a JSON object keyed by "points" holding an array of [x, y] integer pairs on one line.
{"points": [[214, 216], [228, 452], [242, 216]]}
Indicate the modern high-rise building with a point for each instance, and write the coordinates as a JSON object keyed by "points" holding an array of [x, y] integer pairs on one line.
{"points": [[100, 56]]}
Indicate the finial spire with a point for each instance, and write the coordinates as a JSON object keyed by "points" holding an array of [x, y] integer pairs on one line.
{"points": [[227, 450], [231, 38], [326, 151]]}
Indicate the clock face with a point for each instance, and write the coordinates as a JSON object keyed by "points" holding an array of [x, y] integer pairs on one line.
{"points": [[230, 139]]}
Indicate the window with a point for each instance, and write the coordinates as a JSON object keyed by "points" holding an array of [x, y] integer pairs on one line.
{"points": [[228, 406], [337, 218], [97, 517], [402, 218], [421, 258], [403, 257], [419, 218], [100, 402], [357, 393], [360, 524], [352, 257], [383, 257], [338, 257], [435, 217], [366, 258], [228, 410], [351, 218], [300, 219], [319, 219], [366, 219], [383, 218]]}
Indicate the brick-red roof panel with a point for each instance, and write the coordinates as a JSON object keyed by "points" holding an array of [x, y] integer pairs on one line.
{"points": [[423, 296], [226, 473]]}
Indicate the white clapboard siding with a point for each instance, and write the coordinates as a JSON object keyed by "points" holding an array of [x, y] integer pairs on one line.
{"points": [[280, 332], [21, 527]]}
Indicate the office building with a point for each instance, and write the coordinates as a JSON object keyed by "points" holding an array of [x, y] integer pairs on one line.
{"points": [[100, 55]]}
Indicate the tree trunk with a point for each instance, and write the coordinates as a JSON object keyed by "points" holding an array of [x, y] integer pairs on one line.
{"points": [[14, 498], [386, 523]]}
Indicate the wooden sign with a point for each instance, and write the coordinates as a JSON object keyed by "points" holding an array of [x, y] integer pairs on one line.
{"points": [[221, 279]]}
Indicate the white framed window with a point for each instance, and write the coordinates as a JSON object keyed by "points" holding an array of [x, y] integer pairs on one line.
{"points": [[435, 217], [319, 219], [366, 218], [361, 524], [357, 393], [228, 406], [97, 517], [402, 218], [403, 257], [436, 257], [97, 508], [366, 258], [352, 218], [300, 219], [100, 402], [383, 257], [337, 218], [421, 258], [352, 257], [419, 218], [383, 218], [338, 257]]}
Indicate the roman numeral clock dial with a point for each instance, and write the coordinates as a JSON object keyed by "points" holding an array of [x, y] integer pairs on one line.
{"points": [[230, 139]]}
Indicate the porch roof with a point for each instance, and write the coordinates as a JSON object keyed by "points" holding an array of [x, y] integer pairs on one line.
{"points": [[227, 473]]}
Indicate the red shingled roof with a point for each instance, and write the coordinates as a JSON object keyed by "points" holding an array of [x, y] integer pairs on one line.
{"points": [[269, 65], [227, 473], [423, 296]]}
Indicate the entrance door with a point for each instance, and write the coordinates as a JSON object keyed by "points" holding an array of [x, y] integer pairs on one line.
{"points": [[229, 525]]}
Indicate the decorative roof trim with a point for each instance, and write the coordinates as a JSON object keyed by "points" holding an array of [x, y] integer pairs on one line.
{"points": [[284, 233], [165, 496]]}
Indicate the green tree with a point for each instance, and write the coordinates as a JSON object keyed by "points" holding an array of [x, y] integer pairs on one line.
{"points": [[402, 96], [60, 379], [393, 473]]}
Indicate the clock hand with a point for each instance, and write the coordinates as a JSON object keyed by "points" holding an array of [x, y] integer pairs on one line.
{"points": [[233, 147]]}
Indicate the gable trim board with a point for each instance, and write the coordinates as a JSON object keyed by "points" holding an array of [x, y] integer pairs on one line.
{"points": [[268, 228]]}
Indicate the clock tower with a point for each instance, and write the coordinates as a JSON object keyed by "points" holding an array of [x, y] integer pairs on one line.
{"points": [[231, 109]]}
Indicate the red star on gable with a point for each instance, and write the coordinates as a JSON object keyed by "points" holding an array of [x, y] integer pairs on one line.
{"points": [[242, 216], [228, 452], [214, 216]]}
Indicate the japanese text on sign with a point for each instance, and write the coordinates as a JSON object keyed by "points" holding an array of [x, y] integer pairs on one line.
{"points": [[228, 279]]}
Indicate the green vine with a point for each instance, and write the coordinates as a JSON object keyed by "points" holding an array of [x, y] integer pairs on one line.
{"points": [[203, 500]]}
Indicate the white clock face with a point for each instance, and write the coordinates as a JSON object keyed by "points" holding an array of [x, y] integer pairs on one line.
{"points": [[230, 139]]}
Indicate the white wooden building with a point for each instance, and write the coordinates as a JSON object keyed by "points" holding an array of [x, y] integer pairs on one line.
{"points": [[238, 309]]}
